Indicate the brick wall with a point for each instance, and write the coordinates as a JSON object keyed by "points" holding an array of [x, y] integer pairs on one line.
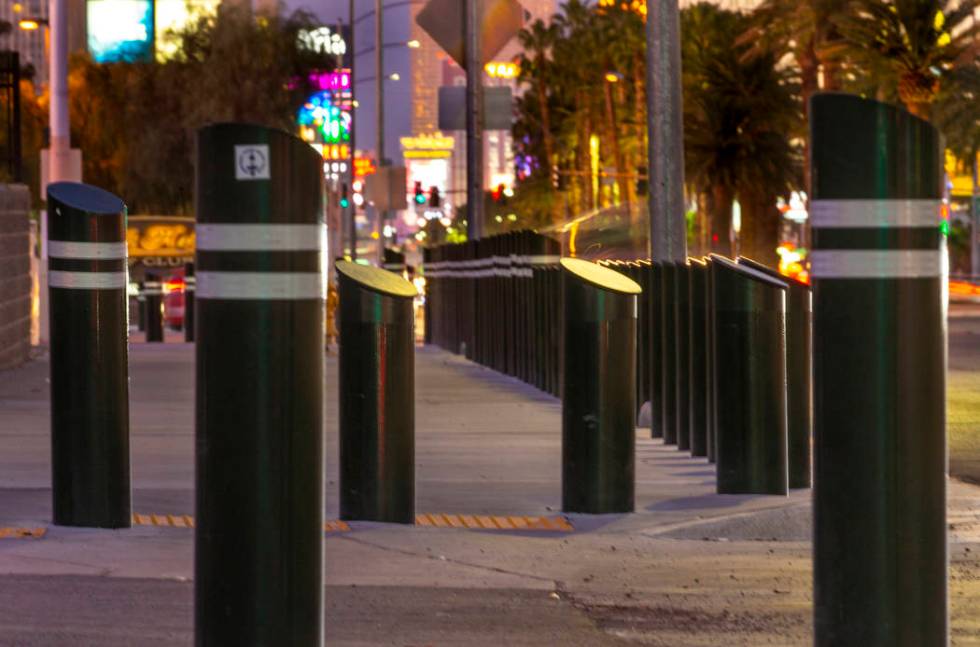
{"points": [[15, 275]]}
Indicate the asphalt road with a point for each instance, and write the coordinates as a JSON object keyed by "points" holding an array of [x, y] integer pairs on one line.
{"points": [[963, 395]]}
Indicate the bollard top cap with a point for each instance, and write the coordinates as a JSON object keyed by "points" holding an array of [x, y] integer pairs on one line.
{"points": [[600, 276], [377, 279], [746, 270], [85, 197]]}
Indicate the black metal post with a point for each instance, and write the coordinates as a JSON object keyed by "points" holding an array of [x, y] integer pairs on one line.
{"points": [[377, 395], [153, 300], [87, 281], [656, 350], [260, 306], [750, 380], [879, 337], [799, 374], [682, 355], [698, 347], [190, 290], [668, 359], [599, 375]]}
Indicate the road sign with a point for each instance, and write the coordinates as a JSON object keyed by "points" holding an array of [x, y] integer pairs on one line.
{"points": [[500, 20], [252, 162], [497, 109]]}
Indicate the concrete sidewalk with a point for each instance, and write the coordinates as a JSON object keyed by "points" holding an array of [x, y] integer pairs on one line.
{"points": [[690, 568]]}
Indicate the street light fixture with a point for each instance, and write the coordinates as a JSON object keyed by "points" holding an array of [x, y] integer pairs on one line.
{"points": [[413, 44], [32, 24]]}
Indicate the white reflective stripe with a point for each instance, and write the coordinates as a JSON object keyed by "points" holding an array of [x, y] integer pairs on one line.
{"points": [[72, 249], [259, 285], [876, 264], [88, 280], [874, 214], [258, 238], [543, 260]]}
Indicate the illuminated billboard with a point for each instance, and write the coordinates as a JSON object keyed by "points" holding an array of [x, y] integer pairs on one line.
{"points": [[120, 30]]}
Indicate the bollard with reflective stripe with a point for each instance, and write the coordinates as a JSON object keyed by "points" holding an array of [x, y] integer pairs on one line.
{"points": [[260, 302], [190, 289], [799, 378], [377, 395], [87, 281], [879, 338], [152, 290], [698, 353], [668, 358], [750, 380], [599, 375]]}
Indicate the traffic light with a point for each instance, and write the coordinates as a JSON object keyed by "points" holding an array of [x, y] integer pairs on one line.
{"points": [[435, 200], [419, 194], [498, 193], [344, 199]]}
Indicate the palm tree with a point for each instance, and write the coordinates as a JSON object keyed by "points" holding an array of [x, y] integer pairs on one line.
{"points": [[919, 43], [739, 116], [537, 69]]}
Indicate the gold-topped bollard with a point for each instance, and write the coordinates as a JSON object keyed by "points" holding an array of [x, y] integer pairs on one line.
{"points": [[599, 395], [377, 395]]}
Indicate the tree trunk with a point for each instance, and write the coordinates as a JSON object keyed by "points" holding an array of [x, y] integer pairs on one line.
{"points": [[720, 218], [611, 124], [549, 148], [760, 227]]}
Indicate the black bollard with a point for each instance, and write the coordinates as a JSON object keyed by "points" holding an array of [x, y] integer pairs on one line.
{"points": [[656, 350], [879, 337], [710, 399], [153, 300], [87, 282], [750, 364], [599, 376], [377, 395], [682, 355], [190, 288], [698, 347], [260, 301], [668, 358], [799, 378]]}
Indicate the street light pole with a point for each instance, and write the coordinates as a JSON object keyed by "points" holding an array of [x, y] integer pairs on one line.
{"points": [[352, 212], [379, 94], [60, 146], [665, 123]]}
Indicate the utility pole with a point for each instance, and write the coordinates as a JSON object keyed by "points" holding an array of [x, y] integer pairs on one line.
{"points": [[665, 124], [352, 213], [380, 112], [58, 156], [474, 121]]}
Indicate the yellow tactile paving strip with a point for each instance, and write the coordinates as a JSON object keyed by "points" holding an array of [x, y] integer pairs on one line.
{"points": [[483, 522], [22, 533], [464, 521]]}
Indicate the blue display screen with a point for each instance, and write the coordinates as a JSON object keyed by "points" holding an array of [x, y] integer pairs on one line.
{"points": [[120, 30]]}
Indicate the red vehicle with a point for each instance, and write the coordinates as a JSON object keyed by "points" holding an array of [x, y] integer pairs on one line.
{"points": [[173, 301]]}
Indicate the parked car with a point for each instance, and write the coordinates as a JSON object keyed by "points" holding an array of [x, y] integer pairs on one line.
{"points": [[173, 301]]}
